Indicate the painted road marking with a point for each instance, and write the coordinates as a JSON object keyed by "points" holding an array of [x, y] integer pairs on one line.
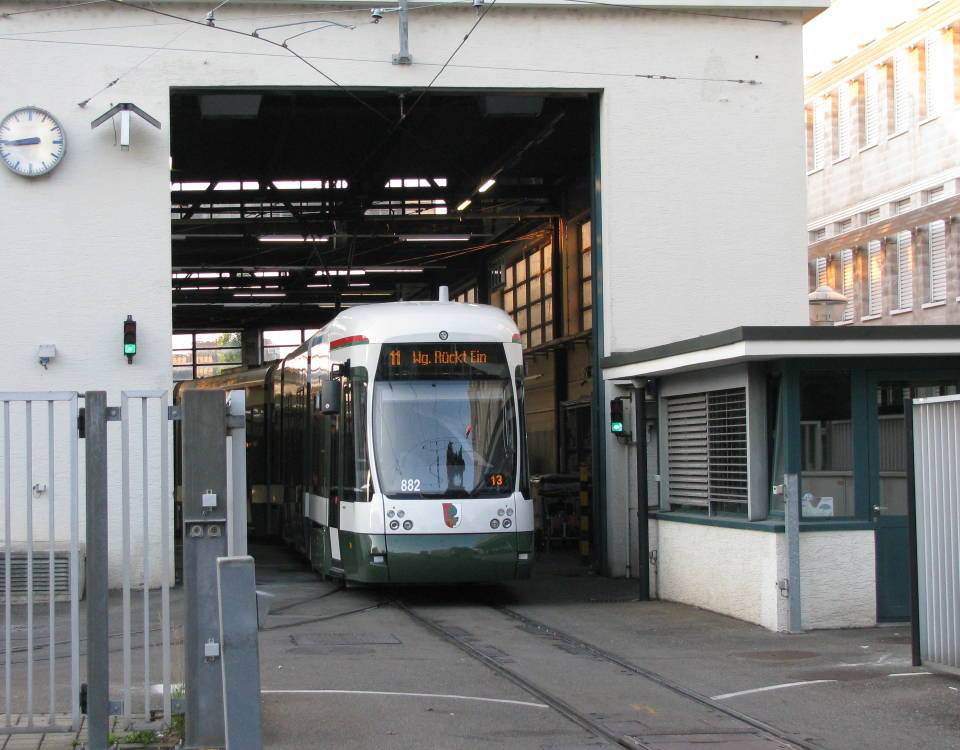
{"points": [[768, 687], [648, 709], [908, 674], [409, 695]]}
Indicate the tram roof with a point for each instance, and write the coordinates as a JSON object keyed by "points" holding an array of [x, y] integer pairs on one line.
{"points": [[423, 321]]}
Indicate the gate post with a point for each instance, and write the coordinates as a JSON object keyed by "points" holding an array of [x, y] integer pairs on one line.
{"points": [[98, 643], [204, 462]]}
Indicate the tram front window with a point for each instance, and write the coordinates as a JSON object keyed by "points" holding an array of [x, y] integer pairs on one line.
{"points": [[444, 422]]}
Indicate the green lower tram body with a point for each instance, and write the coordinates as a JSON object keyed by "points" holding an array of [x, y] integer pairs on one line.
{"points": [[424, 558]]}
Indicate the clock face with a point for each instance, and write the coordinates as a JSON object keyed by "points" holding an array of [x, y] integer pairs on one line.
{"points": [[32, 142]]}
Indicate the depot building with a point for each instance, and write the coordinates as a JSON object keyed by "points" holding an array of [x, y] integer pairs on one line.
{"points": [[620, 178]]}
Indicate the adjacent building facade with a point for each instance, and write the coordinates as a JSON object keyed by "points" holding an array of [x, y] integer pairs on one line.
{"points": [[883, 166]]}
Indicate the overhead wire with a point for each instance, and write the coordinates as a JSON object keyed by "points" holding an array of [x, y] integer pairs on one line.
{"points": [[48, 10]]}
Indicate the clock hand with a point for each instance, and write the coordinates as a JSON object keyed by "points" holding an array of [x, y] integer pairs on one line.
{"points": [[22, 142]]}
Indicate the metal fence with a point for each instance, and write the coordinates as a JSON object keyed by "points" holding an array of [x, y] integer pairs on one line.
{"points": [[41, 562], [936, 446], [55, 567]]}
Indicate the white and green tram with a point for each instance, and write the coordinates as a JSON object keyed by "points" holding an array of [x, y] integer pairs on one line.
{"points": [[390, 447]]}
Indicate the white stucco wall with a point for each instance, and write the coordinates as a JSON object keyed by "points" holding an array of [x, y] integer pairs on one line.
{"points": [[702, 187], [734, 572]]}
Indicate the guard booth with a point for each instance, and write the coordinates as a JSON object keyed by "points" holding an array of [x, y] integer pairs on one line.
{"points": [[740, 409]]}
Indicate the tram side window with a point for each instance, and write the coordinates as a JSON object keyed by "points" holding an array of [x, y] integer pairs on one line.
{"points": [[355, 471]]}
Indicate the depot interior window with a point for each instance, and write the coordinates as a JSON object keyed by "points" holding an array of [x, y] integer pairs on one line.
{"points": [[467, 295], [278, 344], [707, 451], [528, 295], [586, 276], [203, 355]]}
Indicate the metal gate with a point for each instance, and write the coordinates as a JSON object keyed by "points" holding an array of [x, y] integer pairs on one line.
{"points": [[936, 445], [55, 568]]}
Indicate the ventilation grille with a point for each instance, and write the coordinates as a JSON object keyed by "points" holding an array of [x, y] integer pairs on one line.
{"points": [[20, 569]]}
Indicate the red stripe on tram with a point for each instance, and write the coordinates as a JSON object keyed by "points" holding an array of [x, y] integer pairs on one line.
{"points": [[349, 341]]}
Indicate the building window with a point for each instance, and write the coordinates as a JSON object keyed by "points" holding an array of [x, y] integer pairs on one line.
{"points": [[528, 295], [874, 277], [843, 226], [815, 135], [937, 261], [904, 289], [898, 94], [278, 344], [586, 277], [826, 445], [846, 283], [707, 450], [933, 194], [868, 109], [203, 355], [871, 216], [818, 234], [933, 75], [841, 122]]}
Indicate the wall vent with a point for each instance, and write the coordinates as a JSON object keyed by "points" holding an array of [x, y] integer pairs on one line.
{"points": [[41, 584]]}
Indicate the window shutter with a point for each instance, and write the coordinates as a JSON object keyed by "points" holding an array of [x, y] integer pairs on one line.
{"points": [[900, 93], [843, 121], [937, 253], [818, 134], [846, 276], [707, 448], [727, 425], [821, 271], [687, 452], [933, 68], [904, 271], [874, 278], [871, 112]]}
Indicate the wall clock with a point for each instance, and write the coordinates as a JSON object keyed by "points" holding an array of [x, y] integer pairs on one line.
{"points": [[32, 141]]}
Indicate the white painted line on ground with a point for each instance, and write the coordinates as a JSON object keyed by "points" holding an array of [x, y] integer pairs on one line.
{"points": [[908, 674], [768, 687], [409, 695]]}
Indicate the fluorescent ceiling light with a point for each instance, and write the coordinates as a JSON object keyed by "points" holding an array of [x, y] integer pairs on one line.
{"points": [[291, 238], [463, 205], [434, 237], [486, 186]]}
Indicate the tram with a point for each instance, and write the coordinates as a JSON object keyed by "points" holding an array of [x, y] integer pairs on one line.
{"points": [[391, 447]]}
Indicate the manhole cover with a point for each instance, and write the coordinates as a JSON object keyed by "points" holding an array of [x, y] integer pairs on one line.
{"points": [[345, 639], [783, 655]]}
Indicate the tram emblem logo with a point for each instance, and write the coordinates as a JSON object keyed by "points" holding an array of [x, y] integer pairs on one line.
{"points": [[451, 514]]}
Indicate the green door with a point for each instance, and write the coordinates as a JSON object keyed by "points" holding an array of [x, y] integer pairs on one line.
{"points": [[888, 474]]}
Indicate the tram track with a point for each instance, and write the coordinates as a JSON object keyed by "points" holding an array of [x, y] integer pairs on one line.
{"points": [[494, 659]]}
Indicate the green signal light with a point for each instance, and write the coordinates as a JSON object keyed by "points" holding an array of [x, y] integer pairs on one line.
{"points": [[129, 348], [616, 427]]}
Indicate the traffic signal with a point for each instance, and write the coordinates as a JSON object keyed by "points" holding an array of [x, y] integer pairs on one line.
{"points": [[616, 416], [130, 338]]}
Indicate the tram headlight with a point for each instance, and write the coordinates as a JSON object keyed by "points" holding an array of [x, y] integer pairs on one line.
{"points": [[400, 514], [500, 512], [394, 525], [494, 523], [509, 511], [407, 525], [507, 523], [390, 514]]}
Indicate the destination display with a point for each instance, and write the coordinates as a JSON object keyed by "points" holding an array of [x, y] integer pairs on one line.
{"points": [[461, 361]]}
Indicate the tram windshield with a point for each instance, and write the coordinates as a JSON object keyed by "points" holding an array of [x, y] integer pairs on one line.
{"points": [[444, 421]]}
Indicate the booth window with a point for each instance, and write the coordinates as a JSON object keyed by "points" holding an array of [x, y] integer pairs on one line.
{"points": [[826, 445], [707, 451]]}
